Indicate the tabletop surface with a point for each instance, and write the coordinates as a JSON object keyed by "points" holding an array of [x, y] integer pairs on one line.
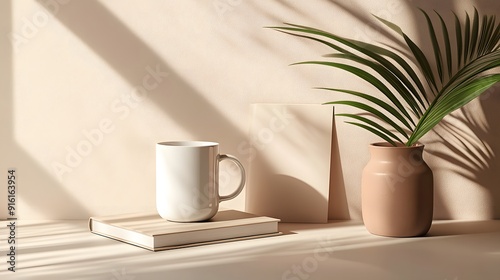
{"points": [[452, 250]]}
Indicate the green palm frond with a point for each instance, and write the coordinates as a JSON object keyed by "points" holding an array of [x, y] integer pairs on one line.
{"points": [[464, 68]]}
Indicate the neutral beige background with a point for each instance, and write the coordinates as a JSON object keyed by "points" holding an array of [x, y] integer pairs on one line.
{"points": [[148, 71]]}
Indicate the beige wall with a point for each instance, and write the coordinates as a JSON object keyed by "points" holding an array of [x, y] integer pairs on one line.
{"points": [[109, 79]]}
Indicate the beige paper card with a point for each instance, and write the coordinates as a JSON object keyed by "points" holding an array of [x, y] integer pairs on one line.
{"points": [[289, 176]]}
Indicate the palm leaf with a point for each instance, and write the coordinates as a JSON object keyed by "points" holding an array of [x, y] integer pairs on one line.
{"points": [[372, 110], [460, 97], [475, 67], [375, 126], [372, 51], [419, 56], [458, 34], [408, 69], [387, 107], [466, 43], [367, 77], [493, 45], [474, 34], [435, 45], [494, 37], [447, 44], [374, 131], [391, 78], [462, 76], [485, 30]]}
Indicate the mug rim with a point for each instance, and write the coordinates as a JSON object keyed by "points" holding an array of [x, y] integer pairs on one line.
{"points": [[187, 144]]}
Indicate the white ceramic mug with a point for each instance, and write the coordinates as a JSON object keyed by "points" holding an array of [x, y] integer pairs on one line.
{"points": [[187, 180]]}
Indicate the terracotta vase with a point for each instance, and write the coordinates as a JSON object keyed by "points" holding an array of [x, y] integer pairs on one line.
{"points": [[397, 191]]}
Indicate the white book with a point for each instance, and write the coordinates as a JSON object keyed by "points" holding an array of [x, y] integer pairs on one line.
{"points": [[150, 231]]}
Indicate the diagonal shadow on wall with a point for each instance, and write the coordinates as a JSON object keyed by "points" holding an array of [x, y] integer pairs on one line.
{"points": [[29, 189], [371, 22], [128, 55]]}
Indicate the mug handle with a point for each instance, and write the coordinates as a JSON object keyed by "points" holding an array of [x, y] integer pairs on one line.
{"points": [[242, 182]]}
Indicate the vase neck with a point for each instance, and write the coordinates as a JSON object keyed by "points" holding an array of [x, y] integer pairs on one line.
{"points": [[390, 153]]}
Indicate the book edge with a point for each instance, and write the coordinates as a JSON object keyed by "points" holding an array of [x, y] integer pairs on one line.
{"points": [[188, 245], [227, 240], [263, 219]]}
